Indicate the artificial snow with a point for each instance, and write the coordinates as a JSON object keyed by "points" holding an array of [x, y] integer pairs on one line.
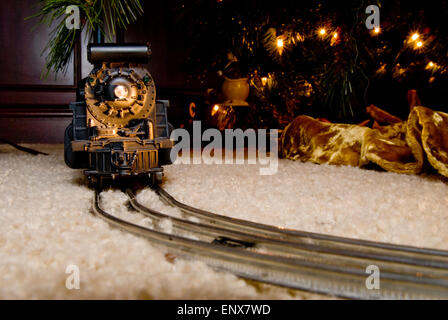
{"points": [[46, 224]]}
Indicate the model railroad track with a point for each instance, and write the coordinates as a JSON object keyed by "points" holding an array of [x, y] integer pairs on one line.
{"points": [[294, 259], [352, 247]]}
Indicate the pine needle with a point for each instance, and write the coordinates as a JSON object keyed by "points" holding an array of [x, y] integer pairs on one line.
{"points": [[104, 15]]}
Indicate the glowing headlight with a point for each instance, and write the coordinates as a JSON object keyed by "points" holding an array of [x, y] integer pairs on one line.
{"points": [[121, 92]]}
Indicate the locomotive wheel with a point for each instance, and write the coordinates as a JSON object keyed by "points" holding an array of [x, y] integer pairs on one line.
{"points": [[155, 178], [75, 160], [99, 182], [165, 156]]}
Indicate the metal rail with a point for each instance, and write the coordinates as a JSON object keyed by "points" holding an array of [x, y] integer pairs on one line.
{"points": [[309, 252], [296, 273], [361, 248]]}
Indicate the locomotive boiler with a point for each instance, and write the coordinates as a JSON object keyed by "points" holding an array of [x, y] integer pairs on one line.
{"points": [[119, 129]]}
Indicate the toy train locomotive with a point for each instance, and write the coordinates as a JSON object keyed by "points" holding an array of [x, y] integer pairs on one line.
{"points": [[119, 129]]}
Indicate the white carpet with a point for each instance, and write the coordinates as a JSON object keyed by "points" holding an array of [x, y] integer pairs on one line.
{"points": [[46, 224]]}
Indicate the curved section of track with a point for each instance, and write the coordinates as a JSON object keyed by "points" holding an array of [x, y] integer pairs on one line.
{"points": [[390, 252], [293, 271], [308, 252]]}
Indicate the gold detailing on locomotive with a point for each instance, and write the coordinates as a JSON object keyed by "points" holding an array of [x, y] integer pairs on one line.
{"points": [[126, 92]]}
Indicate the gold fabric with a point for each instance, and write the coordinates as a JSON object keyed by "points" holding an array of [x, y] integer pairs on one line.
{"points": [[403, 147]]}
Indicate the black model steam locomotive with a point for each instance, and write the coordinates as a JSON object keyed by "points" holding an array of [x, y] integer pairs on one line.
{"points": [[119, 129]]}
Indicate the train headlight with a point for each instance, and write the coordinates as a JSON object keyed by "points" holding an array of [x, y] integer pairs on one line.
{"points": [[121, 92]]}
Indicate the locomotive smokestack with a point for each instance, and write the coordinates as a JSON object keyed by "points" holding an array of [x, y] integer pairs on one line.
{"points": [[111, 52]]}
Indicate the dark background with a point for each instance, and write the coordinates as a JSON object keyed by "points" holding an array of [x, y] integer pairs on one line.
{"points": [[33, 109]]}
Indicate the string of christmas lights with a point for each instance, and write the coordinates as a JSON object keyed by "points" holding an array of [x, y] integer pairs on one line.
{"points": [[318, 57]]}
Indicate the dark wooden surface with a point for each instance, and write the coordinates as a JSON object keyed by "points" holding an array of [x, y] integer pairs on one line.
{"points": [[35, 109]]}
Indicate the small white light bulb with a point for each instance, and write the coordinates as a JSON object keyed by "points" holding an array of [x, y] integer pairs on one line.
{"points": [[121, 92], [280, 43]]}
